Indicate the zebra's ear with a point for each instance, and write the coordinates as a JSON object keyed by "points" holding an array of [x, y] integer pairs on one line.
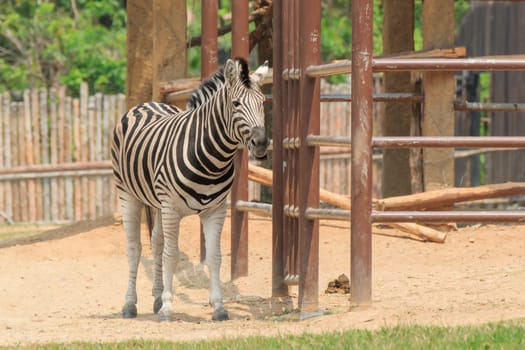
{"points": [[260, 73], [231, 71]]}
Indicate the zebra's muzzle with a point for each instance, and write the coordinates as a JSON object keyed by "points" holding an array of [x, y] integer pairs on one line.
{"points": [[258, 144]]}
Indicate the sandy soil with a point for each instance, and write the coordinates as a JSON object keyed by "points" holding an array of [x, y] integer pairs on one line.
{"points": [[71, 288]]}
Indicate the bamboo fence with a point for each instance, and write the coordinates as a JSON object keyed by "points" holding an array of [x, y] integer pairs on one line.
{"points": [[55, 154]]}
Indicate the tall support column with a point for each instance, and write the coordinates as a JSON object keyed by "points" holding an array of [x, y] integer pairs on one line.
{"points": [[279, 288], [439, 88], [361, 192], [209, 57], [139, 66], [239, 219], [309, 123], [169, 43]]}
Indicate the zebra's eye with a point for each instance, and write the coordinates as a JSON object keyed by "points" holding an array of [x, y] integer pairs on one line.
{"points": [[236, 103]]}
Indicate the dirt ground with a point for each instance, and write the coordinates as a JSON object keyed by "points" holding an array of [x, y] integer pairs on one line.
{"points": [[71, 288]]}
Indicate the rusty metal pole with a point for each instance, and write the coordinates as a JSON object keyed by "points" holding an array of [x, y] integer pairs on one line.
{"points": [[209, 38], [361, 182], [279, 288], [309, 123], [239, 219], [208, 57]]}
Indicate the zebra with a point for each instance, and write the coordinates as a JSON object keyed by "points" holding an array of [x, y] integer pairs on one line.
{"points": [[180, 162]]}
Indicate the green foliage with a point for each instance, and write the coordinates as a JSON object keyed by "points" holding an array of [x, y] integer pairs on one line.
{"points": [[50, 43], [502, 335]]}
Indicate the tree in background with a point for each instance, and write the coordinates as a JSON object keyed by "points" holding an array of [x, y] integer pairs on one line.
{"points": [[63, 42]]}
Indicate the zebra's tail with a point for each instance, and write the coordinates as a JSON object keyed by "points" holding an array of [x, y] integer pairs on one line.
{"points": [[150, 213]]}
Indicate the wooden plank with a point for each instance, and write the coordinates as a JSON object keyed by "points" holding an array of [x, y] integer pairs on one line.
{"points": [[53, 150], [15, 185], [35, 114], [167, 87], [452, 52], [44, 151], [78, 155], [2, 151], [23, 197], [91, 143], [84, 145], [68, 157], [107, 127], [97, 153], [7, 153], [29, 159], [61, 151]]}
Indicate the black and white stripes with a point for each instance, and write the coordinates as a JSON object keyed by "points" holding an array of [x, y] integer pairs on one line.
{"points": [[181, 162]]}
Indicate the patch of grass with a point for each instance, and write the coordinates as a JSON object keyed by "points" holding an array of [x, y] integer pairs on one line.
{"points": [[8, 231], [502, 335]]}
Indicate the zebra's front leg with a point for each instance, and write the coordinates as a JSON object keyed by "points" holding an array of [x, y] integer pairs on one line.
{"points": [[131, 221], [157, 246], [212, 222], [170, 259]]}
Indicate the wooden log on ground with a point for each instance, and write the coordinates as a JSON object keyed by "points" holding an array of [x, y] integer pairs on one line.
{"points": [[449, 196], [264, 176]]}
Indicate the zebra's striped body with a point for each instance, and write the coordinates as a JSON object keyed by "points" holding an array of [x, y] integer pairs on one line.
{"points": [[181, 163]]}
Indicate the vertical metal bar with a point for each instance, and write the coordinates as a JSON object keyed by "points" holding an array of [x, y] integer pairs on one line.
{"points": [[208, 58], [361, 178], [239, 219], [279, 288], [309, 16], [209, 37], [288, 194], [293, 133]]}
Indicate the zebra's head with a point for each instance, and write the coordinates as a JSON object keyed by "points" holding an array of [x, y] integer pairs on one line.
{"points": [[245, 101]]}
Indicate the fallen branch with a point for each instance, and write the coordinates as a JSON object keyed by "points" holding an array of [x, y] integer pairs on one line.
{"points": [[264, 176], [449, 196]]}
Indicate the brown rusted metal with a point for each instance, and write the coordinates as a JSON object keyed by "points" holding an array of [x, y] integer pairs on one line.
{"points": [[279, 287], [423, 141], [288, 174], [449, 141], [209, 38], [421, 216], [308, 157], [361, 177], [262, 209], [489, 106], [380, 97], [209, 56], [449, 216], [239, 219], [423, 64]]}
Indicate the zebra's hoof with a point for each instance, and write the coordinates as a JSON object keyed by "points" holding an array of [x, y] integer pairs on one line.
{"points": [[220, 315], [129, 310], [165, 314], [157, 304]]}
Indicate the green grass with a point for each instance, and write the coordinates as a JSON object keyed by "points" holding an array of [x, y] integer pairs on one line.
{"points": [[503, 335], [8, 231]]}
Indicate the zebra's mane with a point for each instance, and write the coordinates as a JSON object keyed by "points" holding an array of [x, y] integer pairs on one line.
{"points": [[214, 83]]}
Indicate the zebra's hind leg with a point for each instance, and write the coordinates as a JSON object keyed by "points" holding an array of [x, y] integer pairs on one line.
{"points": [[212, 222], [157, 245], [131, 208], [170, 258]]}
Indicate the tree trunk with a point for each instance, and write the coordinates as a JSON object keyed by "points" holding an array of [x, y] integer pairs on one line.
{"points": [[398, 29], [439, 89]]}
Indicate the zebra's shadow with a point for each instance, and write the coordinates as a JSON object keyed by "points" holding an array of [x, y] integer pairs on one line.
{"points": [[195, 276]]}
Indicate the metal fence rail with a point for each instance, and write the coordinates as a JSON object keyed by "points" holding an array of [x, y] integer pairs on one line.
{"points": [[295, 213]]}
